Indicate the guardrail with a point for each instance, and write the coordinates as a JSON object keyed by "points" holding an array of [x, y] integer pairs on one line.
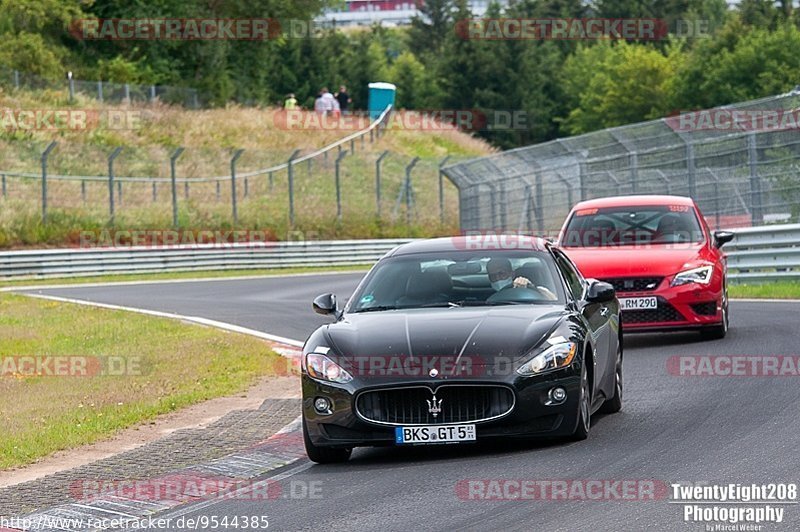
{"points": [[765, 253], [29, 264], [757, 254]]}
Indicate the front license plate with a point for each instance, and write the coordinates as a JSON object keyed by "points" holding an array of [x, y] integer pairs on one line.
{"points": [[434, 434], [638, 303]]}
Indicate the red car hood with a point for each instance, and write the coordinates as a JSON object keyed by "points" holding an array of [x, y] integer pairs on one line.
{"points": [[633, 261]]}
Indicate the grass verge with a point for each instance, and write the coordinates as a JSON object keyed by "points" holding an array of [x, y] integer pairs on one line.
{"points": [[776, 290], [161, 366]]}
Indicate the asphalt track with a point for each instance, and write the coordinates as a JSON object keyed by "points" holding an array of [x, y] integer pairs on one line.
{"points": [[712, 430]]}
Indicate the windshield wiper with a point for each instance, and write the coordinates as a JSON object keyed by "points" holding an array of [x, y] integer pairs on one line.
{"points": [[376, 309], [449, 304]]}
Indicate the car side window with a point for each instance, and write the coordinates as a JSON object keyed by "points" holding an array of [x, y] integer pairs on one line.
{"points": [[571, 275]]}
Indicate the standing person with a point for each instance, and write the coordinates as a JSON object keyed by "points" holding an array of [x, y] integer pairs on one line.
{"points": [[344, 100], [290, 103], [319, 104], [328, 100]]}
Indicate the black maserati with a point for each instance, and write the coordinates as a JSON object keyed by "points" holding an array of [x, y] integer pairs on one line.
{"points": [[452, 340]]}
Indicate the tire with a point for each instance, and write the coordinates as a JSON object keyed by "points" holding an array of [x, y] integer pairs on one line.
{"points": [[718, 332], [323, 455], [614, 404], [584, 407]]}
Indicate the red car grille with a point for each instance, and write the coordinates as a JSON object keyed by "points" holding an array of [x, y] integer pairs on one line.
{"points": [[664, 313], [634, 284]]}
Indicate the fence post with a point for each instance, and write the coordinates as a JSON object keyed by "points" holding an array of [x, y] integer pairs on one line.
{"points": [[111, 158], [757, 213], [119, 191], [441, 189], [634, 162], [617, 184], [338, 163], [219, 191], [174, 183], [127, 93], [152, 93], [4, 185], [290, 172], [352, 146], [378, 181], [409, 189], [45, 154], [582, 179], [71, 88], [100, 91], [16, 79], [371, 136], [236, 155], [524, 215], [186, 188], [155, 192], [83, 191], [539, 207], [246, 187], [271, 181], [690, 169], [716, 197]]}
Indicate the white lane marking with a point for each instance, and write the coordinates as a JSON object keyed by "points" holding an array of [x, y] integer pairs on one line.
{"points": [[756, 300], [191, 319], [190, 280]]}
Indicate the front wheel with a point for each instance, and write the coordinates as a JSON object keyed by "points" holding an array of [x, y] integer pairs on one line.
{"points": [[614, 404], [323, 455], [718, 332], [584, 407]]}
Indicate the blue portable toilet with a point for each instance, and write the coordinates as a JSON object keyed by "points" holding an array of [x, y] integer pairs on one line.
{"points": [[381, 95]]}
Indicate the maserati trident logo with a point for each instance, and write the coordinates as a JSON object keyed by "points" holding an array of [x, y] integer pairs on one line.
{"points": [[434, 406]]}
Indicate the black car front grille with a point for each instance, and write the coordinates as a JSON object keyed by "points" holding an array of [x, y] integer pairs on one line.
{"points": [[705, 309], [634, 284], [663, 313], [413, 405]]}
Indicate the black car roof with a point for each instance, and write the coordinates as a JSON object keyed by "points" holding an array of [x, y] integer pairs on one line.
{"points": [[481, 242]]}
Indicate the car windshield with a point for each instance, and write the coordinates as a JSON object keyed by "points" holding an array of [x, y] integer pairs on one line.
{"points": [[623, 226], [459, 279]]}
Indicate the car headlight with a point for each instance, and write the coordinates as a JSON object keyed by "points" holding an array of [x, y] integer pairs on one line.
{"points": [[556, 356], [701, 275], [323, 368]]}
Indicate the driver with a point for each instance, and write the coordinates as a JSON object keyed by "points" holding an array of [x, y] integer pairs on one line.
{"points": [[501, 275]]}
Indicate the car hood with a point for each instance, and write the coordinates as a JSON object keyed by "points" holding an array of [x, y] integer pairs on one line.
{"points": [[619, 261], [481, 334]]}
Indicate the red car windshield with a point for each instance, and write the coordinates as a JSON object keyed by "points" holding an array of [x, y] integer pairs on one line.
{"points": [[632, 225]]}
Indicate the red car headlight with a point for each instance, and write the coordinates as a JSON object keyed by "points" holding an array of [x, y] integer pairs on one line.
{"points": [[701, 275]]}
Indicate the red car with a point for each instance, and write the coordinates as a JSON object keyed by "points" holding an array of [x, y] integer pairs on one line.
{"points": [[659, 254]]}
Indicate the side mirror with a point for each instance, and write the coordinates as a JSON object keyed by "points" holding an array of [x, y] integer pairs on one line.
{"points": [[325, 304], [600, 292], [722, 237]]}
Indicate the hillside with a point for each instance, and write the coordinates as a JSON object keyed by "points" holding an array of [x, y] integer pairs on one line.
{"points": [[149, 134]]}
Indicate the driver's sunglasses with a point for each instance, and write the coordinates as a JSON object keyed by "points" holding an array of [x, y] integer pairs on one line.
{"points": [[499, 274]]}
